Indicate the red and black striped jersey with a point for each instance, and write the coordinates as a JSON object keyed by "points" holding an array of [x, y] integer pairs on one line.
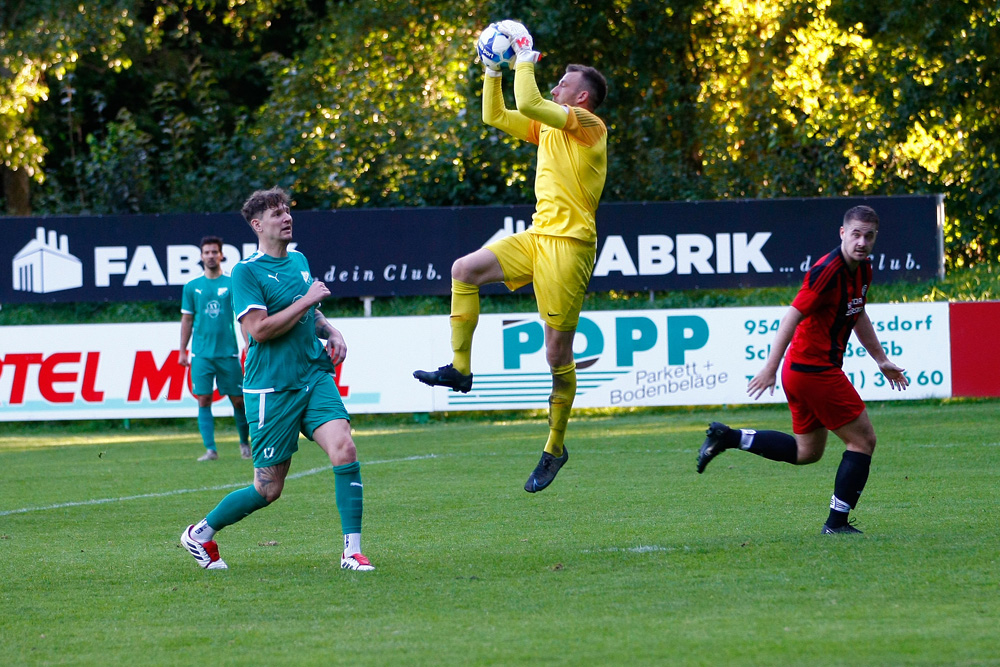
{"points": [[832, 298]]}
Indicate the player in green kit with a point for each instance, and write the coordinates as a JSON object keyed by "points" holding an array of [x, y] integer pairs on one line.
{"points": [[288, 383], [207, 313]]}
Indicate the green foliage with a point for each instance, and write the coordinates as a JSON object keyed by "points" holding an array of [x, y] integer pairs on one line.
{"points": [[41, 42], [937, 77], [90, 313], [376, 103]]}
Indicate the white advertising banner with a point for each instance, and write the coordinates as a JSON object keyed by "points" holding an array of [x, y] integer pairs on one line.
{"points": [[624, 359], [685, 357]]}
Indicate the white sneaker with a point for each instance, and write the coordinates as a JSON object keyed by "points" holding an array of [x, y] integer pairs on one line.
{"points": [[206, 554], [209, 455], [245, 451], [356, 562]]}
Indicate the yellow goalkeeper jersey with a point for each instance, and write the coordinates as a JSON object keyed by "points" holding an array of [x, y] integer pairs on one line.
{"points": [[572, 163]]}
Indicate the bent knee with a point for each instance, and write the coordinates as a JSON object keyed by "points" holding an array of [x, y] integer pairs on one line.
{"points": [[557, 357], [270, 494], [347, 451], [864, 445], [270, 490], [806, 457], [461, 270]]}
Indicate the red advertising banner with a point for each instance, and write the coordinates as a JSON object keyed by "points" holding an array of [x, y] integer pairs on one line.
{"points": [[975, 354]]}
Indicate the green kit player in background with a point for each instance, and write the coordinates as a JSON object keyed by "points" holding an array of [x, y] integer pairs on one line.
{"points": [[207, 313], [288, 383]]}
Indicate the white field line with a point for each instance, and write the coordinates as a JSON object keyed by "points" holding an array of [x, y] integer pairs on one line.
{"points": [[221, 487], [641, 549]]}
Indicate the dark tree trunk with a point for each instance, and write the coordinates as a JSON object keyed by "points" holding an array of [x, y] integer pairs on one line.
{"points": [[16, 191]]}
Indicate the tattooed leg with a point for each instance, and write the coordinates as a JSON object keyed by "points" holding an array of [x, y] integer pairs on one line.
{"points": [[269, 481]]}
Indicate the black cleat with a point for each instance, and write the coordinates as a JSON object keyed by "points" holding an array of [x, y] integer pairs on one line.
{"points": [[446, 376], [846, 528], [714, 444], [545, 471]]}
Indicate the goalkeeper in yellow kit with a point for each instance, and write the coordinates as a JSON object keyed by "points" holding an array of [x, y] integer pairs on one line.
{"points": [[558, 251]]}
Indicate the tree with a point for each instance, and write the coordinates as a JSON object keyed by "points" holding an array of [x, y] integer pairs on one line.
{"points": [[380, 114], [939, 74], [41, 41], [376, 102]]}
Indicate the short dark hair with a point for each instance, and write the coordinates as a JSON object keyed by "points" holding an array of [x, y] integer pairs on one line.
{"points": [[210, 240], [861, 214], [263, 200], [594, 82]]}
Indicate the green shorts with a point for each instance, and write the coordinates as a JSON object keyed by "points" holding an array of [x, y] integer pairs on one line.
{"points": [[277, 417], [207, 372], [558, 267]]}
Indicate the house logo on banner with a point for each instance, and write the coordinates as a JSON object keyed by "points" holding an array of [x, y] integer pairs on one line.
{"points": [[509, 228], [46, 266]]}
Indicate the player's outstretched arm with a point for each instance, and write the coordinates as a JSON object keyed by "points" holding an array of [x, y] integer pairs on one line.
{"points": [[865, 333], [496, 114], [767, 377], [764, 379], [895, 375], [529, 99]]}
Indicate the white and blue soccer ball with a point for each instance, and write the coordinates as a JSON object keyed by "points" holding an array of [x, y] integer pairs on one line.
{"points": [[495, 47]]}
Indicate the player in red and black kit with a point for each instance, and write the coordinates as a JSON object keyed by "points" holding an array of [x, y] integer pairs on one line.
{"points": [[829, 306]]}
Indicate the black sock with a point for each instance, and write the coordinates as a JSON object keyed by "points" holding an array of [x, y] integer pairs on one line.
{"points": [[852, 475], [774, 445]]}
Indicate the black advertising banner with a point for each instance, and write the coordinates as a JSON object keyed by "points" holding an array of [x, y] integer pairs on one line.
{"points": [[406, 252]]}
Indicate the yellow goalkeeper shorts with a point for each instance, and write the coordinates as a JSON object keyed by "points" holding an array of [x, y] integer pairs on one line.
{"points": [[559, 266]]}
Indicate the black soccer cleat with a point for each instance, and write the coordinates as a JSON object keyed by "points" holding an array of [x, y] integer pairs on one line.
{"points": [[446, 376], [845, 529], [545, 471], [714, 444]]}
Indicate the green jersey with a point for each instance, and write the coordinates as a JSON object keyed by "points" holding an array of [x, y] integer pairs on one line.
{"points": [[210, 301], [290, 361]]}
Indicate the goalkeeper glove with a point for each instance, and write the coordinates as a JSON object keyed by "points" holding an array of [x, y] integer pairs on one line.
{"points": [[528, 56], [520, 41], [520, 38]]}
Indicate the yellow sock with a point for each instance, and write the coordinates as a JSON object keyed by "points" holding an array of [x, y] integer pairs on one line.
{"points": [[464, 318], [560, 405]]}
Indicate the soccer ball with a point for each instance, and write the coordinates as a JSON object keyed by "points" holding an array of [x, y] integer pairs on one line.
{"points": [[495, 47]]}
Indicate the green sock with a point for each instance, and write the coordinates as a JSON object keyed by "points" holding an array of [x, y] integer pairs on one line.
{"points": [[206, 426], [241, 426], [560, 405], [464, 318], [236, 506], [350, 496]]}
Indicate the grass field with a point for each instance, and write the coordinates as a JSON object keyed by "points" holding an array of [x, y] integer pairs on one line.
{"points": [[629, 558]]}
